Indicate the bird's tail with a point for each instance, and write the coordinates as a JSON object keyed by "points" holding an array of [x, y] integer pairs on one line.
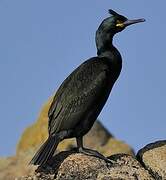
{"points": [[46, 151]]}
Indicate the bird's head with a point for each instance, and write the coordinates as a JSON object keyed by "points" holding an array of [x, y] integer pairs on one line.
{"points": [[117, 22], [110, 26]]}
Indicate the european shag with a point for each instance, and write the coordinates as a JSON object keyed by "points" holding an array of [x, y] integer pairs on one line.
{"points": [[81, 97]]}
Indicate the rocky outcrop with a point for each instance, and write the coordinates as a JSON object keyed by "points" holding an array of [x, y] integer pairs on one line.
{"points": [[150, 162], [98, 138], [84, 167], [153, 158], [70, 166], [15, 166]]}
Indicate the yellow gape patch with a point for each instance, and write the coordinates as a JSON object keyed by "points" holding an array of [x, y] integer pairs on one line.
{"points": [[119, 24]]}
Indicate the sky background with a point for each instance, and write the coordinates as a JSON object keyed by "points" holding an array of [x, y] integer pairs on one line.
{"points": [[41, 42]]}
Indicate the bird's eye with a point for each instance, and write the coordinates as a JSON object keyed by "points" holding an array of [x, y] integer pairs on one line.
{"points": [[119, 23]]}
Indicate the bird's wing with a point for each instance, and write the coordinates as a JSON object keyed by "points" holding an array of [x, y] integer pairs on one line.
{"points": [[77, 94]]}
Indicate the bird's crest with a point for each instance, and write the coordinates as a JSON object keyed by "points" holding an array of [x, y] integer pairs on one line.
{"points": [[112, 12]]}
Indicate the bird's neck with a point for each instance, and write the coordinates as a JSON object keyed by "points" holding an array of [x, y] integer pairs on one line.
{"points": [[105, 47], [113, 57], [109, 51]]}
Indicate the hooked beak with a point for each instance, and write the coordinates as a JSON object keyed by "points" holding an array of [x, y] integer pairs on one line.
{"points": [[134, 21]]}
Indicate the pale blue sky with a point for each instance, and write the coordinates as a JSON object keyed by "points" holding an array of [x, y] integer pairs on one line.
{"points": [[41, 42]]}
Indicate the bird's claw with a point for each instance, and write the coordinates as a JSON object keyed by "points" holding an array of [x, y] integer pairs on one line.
{"points": [[94, 153]]}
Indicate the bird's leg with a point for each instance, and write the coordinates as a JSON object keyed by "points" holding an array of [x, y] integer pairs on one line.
{"points": [[89, 152]]}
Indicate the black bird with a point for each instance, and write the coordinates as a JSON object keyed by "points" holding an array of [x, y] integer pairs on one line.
{"points": [[82, 95]]}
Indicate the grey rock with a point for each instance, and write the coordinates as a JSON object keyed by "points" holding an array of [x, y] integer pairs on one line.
{"points": [[70, 165], [153, 158], [125, 167]]}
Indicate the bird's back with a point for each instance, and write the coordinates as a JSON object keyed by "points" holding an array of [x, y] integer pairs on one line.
{"points": [[85, 90]]}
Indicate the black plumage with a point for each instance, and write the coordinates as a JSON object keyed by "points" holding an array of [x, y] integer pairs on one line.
{"points": [[82, 95]]}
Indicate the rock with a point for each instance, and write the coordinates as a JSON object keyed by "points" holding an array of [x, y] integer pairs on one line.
{"points": [[115, 146], [153, 157], [69, 165], [98, 138], [125, 167], [79, 166], [38, 176], [14, 166]]}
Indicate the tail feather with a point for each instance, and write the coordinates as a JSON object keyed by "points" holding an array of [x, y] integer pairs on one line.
{"points": [[46, 151]]}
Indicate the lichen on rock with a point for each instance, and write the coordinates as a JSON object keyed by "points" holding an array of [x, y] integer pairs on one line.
{"points": [[153, 158], [69, 165]]}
